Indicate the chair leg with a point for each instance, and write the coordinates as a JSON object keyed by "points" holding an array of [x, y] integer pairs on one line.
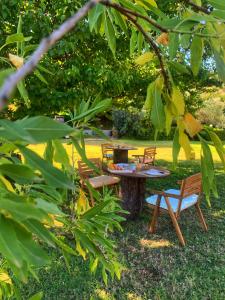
{"points": [[92, 199], [153, 222], [175, 223], [201, 217]]}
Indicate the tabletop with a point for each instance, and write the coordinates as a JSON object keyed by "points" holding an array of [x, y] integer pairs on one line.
{"points": [[152, 172], [120, 147]]}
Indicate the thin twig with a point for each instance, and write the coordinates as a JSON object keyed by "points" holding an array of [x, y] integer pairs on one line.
{"points": [[147, 38], [153, 22], [197, 7], [44, 46]]}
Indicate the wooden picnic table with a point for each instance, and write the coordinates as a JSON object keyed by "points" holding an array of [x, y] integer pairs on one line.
{"points": [[120, 153], [133, 188]]}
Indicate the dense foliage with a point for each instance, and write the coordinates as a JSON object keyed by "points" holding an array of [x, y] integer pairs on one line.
{"points": [[165, 45]]}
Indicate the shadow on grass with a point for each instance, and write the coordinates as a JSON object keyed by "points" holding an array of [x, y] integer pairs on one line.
{"points": [[156, 266]]}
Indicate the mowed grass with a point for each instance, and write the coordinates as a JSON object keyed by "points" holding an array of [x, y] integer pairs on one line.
{"points": [[156, 266], [164, 149]]}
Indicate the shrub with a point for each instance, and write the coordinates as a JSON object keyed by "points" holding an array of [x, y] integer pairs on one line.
{"points": [[135, 124], [212, 113]]}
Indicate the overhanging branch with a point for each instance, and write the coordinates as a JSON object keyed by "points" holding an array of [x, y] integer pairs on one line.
{"points": [[43, 47]]}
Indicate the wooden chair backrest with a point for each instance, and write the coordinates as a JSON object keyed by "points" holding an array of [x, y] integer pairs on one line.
{"points": [[150, 153], [104, 148], [191, 185], [85, 171]]}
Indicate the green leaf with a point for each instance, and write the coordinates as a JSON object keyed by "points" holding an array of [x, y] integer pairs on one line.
{"points": [[180, 68], [23, 92], [40, 76], [40, 231], [49, 152], [37, 296], [60, 155], [94, 15], [52, 175], [42, 129], [158, 113], [219, 13], [220, 64], [4, 74], [14, 38], [140, 42], [176, 147], [19, 173], [218, 145], [133, 41], [110, 32], [173, 44], [150, 96], [196, 54], [217, 4], [120, 21], [9, 246]]}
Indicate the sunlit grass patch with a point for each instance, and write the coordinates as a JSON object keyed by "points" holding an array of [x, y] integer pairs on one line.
{"points": [[155, 243]]}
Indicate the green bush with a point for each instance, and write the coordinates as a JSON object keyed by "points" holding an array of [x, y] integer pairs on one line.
{"points": [[135, 124]]}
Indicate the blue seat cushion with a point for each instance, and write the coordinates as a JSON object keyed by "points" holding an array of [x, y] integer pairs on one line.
{"points": [[108, 155], [186, 202]]}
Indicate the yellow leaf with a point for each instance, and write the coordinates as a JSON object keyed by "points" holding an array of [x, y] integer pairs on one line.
{"points": [[152, 2], [7, 184], [16, 60], [82, 202], [169, 118], [4, 277], [80, 250], [163, 39], [185, 144], [144, 58], [192, 125], [178, 102]]}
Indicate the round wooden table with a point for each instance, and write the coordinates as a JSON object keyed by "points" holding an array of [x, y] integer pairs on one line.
{"points": [[120, 153], [133, 188]]}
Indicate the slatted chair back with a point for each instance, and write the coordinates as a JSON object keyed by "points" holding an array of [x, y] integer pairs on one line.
{"points": [[85, 171], [191, 185], [105, 149], [149, 154]]}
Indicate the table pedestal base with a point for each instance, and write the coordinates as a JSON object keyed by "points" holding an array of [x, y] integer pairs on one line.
{"points": [[120, 156], [133, 195]]}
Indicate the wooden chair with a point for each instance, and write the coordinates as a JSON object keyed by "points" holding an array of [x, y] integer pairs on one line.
{"points": [[96, 182], [107, 153], [174, 201], [148, 157]]}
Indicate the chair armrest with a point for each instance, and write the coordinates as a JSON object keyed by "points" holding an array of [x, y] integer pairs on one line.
{"points": [[138, 155], [164, 194]]}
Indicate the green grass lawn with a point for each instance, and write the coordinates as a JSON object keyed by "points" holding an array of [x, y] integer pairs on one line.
{"points": [[156, 266]]}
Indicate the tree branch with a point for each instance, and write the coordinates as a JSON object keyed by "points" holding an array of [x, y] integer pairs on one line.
{"points": [[197, 7], [134, 13], [132, 17], [153, 22], [44, 46]]}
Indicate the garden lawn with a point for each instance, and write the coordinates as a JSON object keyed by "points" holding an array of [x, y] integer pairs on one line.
{"points": [[156, 266], [164, 149]]}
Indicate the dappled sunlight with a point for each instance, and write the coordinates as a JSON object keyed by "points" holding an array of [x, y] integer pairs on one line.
{"points": [[155, 243], [164, 150], [133, 296], [103, 294], [219, 214]]}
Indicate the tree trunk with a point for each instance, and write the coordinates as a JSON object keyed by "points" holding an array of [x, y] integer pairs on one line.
{"points": [[133, 195]]}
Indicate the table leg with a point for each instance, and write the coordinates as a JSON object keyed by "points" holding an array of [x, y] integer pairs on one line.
{"points": [[120, 156], [133, 195]]}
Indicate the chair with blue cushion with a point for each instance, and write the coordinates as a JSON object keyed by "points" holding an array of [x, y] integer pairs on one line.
{"points": [[174, 201], [107, 151]]}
